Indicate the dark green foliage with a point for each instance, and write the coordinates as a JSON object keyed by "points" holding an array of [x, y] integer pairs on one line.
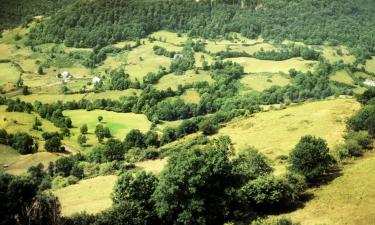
{"points": [[113, 150], [250, 164], [3, 136], [40, 70], [364, 119], [84, 129], [99, 132], [208, 127], [195, 187], [53, 144], [25, 90], [63, 166], [134, 139], [274, 221], [310, 157], [82, 139], [23, 143], [368, 95]]}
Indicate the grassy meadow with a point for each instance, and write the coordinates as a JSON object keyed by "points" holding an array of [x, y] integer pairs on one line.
{"points": [[8, 73], [118, 123], [370, 65], [262, 81], [276, 132], [172, 80], [342, 77], [91, 195], [252, 65], [348, 199]]}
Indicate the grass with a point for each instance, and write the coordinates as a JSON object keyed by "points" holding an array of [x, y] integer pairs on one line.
{"points": [[191, 96], [260, 82], [152, 166], [370, 65], [118, 123], [330, 53], [8, 73], [346, 200], [170, 37], [342, 77], [92, 195], [276, 132], [172, 81], [252, 65]]}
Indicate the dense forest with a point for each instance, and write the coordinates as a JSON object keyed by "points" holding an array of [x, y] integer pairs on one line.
{"points": [[99, 23]]}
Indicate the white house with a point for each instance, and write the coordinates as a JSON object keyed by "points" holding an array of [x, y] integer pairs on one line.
{"points": [[370, 83], [65, 75], [95, 80]]}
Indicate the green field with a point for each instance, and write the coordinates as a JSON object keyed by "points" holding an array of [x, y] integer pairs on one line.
{"points": [[8, 73], [330, 53], [252, 65], [118, 123], [346, 200], [370, 65], [342, 77], [91, 195], [276, 132], [260, 82], [172, 80]]}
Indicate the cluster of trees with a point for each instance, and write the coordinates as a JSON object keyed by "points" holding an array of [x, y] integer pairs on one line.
{"points": [[101, 23], [25, 201], [53, 142], [364, 119], [162, 51], [279, 55], [119, 80], [22, 142], [205, 185]]}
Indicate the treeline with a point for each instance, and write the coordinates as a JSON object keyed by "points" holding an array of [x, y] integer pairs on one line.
{"points": [[100, 23], [286, 53]]}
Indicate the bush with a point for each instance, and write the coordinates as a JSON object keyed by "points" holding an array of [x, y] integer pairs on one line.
{"points": [[208, 127], [274, 221], [362, 138], [354, 149], [310, 157]]}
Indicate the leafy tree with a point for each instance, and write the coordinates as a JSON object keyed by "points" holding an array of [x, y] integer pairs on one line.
{"points": [[84, 129], [24, 143], [195, 186], [53, 144], [251, 164], [25, 90], [40, 70], [63, 166], [99, 132], [113, 150], [310, 157], [100, 118], [134, 139], [208, 127], [82, 139], [46, 209]]}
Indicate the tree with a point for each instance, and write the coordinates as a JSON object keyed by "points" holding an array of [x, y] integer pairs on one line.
{"points": [[53, 144], [82, 139], [46, 209], [25, 90], [134, 139], [40, 70], [107, 132], [113, 150], [310, 157], [208, 127], [84, 129], [100, 118], [250, 164], [99, 132], [195, 186], [24, 143], [63, 166]]}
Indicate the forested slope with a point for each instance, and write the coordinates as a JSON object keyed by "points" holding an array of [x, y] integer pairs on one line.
{"points": [[100, 22], [14, 13]]}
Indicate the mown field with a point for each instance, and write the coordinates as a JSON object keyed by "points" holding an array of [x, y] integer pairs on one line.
{"points": [[348, 199], [276, 132]]}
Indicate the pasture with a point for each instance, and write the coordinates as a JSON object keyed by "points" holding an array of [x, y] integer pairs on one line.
{"points": [[335, 54], [260, 82], [8, 73], [346, 200], [342, 77], [370, 65], [118, 123], [91, 195], [172, 80], [252, 65], [276, 132]]}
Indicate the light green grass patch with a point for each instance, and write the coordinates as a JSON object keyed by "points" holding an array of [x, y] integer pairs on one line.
{"points": [[170, 37], [276, 132], [370, 65], [252, 65], [23, 162], [172, 80], [91, 195], [342, 77], [8, 73], [118, 123], [152, 166], [200, 57], [348, 199], [8, 155], [330, 53], [260, 82], [191, 96]]}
